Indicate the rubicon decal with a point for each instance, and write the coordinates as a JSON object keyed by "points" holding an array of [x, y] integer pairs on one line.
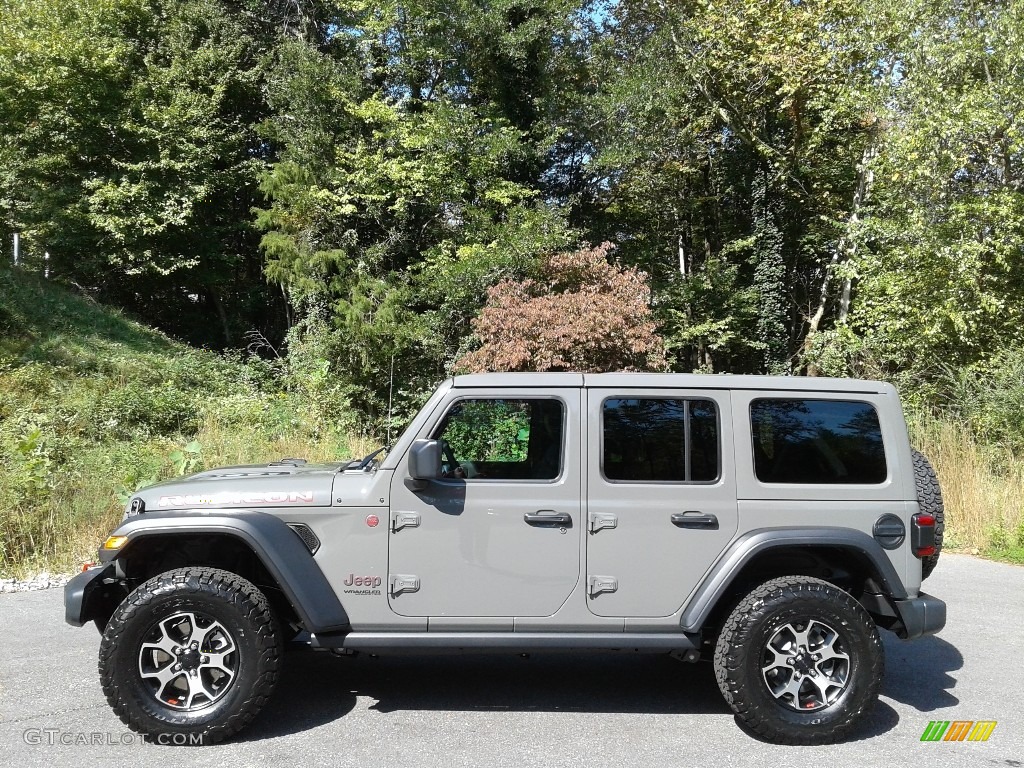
{"points": [[219, 499], [958, 730]]}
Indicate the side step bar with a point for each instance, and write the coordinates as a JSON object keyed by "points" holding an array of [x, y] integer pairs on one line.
{"points": [[459, 642]]}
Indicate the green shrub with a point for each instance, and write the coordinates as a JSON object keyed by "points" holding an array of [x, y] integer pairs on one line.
{"points": [[136, 409]]}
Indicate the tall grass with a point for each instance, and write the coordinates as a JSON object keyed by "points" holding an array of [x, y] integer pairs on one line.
{"points": [[58, 527], [982, 487], [94, 405]]}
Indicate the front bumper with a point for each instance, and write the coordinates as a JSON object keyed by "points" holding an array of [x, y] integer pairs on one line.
{"points": [[80, 591], [921, 615]]}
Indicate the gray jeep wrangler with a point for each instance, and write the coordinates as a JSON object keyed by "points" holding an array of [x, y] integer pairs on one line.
{"points": [[772, 524]]}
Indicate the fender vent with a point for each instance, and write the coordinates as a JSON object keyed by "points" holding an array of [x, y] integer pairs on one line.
{"points": [[308, 537]]}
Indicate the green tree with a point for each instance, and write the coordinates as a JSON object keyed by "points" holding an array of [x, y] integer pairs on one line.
{"points": [[131, 154], [413, 155], [742, 128], [941, 270], [65, 69]]}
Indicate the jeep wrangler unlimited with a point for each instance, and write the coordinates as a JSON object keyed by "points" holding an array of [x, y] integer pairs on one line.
{"points": [[770, 523]]}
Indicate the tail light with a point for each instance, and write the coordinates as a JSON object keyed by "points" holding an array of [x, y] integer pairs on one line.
{"points": [[922, 534]]}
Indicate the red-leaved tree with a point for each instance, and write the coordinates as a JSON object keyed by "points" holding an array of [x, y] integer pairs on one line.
{"points": [[583, 314]]}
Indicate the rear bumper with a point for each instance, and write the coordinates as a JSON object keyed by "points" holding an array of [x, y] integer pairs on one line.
{"points": [[79, 591], [921, 615]]}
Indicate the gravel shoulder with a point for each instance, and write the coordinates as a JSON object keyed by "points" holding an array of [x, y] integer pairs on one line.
{"points": [[44, 580], [583, 710]]}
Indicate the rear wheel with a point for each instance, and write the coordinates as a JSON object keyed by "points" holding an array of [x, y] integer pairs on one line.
{"points": [[799, 661], [190, 656]]}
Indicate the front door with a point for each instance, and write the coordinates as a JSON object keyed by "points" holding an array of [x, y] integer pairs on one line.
{"points": [[499, 533], [661, 496]]}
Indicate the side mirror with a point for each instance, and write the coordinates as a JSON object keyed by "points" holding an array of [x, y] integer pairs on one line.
{"points": [[424, 463]]}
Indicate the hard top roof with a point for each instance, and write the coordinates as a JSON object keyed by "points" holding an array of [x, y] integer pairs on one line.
{"points": [[670, 381]]}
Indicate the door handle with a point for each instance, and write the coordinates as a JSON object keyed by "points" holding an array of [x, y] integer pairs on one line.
{"points": [[699, 520], [548, 517]]}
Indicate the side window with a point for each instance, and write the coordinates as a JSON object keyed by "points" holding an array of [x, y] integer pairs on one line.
{"points": [[660, 440], [502, 439], [817, 441]]}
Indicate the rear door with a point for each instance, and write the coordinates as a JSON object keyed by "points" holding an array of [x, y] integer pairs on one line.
{"points": [[661, 496]]}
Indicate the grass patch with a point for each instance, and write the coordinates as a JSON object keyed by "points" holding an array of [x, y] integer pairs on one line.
{"points": [[94, 405], [1013, 555]]}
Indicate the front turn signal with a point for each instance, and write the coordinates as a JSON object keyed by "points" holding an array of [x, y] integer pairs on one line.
{"points": [[115, 542]]}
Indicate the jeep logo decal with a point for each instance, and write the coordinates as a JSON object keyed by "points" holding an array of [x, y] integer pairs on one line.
{"points": [[362, 581], [272, 497]]}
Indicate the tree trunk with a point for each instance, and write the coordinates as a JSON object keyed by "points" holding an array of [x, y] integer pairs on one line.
{"points": [[223, 315], [845, 250]]}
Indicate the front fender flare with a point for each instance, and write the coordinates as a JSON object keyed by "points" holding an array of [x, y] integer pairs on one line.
{"points": [[744, 549], [275, 544]]}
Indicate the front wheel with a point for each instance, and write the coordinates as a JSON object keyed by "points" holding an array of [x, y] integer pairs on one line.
{"points": [[799, 661], [190, 656]]}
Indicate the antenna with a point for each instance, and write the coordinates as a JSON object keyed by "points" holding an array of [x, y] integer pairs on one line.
{"points": [[391, 391]]}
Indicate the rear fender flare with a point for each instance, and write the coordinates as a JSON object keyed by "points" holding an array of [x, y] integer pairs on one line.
{"points": [[749, 546]]}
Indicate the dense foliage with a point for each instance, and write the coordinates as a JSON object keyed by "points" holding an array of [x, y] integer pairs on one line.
{"points": [[358, 188], [369, 195]]}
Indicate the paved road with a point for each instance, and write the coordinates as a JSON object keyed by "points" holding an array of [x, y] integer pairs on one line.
{"points": [[549, 711]]}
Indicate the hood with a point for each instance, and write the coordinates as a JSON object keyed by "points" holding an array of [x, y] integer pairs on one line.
{"points": [[280, 484]]}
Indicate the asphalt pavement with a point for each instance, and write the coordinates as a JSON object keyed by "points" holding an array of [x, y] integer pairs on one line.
{"points": [[549, 711]]}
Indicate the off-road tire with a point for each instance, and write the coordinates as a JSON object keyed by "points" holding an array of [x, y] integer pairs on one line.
{"points": [[929, 500], [742, 651], [225, 598]]}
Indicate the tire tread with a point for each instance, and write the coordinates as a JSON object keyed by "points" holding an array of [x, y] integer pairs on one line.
{"points": [[735, 640], [194, 581], [929, 499]]}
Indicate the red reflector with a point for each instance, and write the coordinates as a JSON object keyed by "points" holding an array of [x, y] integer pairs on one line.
{"points": [[925, 551], [924, 521]]}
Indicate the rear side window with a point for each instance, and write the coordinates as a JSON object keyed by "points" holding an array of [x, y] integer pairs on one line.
{"points": [[817, 441], [660, 440]]}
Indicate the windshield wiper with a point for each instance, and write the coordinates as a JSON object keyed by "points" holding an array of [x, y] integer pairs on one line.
{"points": [[365, 462]]}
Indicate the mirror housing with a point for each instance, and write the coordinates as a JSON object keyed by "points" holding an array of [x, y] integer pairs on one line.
{"points": [[424, 463]]}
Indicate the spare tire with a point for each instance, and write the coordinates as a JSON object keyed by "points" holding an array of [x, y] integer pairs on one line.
{"points": [[929, 499]]}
